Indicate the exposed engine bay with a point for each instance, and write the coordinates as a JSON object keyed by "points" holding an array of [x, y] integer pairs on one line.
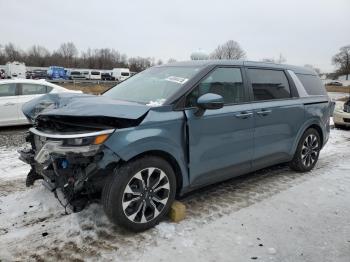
{"points": [[66, 145]]}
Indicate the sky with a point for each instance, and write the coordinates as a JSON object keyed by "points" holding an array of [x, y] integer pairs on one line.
{"points": [[303, 31]]}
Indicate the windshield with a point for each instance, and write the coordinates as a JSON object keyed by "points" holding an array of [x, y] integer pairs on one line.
{"points": [[152, 86]]}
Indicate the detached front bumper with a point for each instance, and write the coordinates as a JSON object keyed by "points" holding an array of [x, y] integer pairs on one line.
{"points": [[75, 170]]}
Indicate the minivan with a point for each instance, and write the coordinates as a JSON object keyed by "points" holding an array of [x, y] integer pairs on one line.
{"points": [[172, 129], [120, 74]]}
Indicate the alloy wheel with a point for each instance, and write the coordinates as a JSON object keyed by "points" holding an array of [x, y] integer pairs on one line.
{"points": [[310, 150], [146, 195]]}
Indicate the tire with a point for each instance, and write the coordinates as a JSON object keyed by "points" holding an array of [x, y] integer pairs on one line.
{"points": [[308, 151], [139, 193]]}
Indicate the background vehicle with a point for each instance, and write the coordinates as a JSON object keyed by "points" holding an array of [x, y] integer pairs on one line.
{"points": [[95, 75], [14, 93], [2, 74], [38, 74], [120, 74], [15, 70], [334, 83], [341, 115], [75, 75], [107, 77], [86, 74], [174, 128], [56, 72]]}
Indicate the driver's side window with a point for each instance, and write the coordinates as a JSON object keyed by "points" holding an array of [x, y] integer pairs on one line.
{"points": [[223, 81]]}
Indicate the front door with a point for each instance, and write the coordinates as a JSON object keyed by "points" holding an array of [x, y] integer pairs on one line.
{"points": [[220, 141]]}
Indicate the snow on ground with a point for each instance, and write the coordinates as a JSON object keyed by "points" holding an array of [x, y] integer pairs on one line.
{"points": [[271, 215]]}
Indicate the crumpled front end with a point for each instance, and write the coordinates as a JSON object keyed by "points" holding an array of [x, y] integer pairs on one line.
{"points": [[73, 166]]}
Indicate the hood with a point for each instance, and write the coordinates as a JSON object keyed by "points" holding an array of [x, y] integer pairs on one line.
{"points": [[83, 110]]}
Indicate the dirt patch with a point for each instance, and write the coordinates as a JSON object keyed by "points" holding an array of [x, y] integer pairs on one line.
{"points": [[89, 88]]}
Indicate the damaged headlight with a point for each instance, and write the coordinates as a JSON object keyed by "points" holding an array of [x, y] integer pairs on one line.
{"points": [[85, 141]]}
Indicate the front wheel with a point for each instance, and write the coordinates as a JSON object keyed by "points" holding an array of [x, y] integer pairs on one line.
{"points": [[307, 152], [140, 193]]}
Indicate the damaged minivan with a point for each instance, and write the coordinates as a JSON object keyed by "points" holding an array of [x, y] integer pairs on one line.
{"points": [[172, 129]]}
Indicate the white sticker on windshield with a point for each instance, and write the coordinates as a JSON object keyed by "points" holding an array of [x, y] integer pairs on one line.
{"points": [[176, 79], [158, 102]]}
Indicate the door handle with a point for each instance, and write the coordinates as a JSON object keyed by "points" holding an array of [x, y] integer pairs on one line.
{"points": [[9, 104], [263, 112], [244, 115]]}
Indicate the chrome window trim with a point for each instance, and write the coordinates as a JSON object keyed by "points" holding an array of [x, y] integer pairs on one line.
{"points": [[63, 136]]}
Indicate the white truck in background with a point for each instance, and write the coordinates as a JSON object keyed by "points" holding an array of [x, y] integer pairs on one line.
{"points": [[15, 70], [121, 74]]}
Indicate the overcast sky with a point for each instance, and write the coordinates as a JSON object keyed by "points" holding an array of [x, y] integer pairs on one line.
{"points": [[304, 31]]}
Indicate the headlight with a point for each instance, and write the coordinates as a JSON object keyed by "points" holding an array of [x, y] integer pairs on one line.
{"points": [[85, 141]]}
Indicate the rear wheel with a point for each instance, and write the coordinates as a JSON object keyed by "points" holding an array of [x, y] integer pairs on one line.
{"points": [[307, 153], [140, 193]]}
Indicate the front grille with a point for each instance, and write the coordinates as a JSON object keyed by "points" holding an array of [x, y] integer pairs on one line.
{"points": [[346, 120]]}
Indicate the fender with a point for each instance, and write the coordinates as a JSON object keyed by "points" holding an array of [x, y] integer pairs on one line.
{"points": [[304, 127], [130, 142]]}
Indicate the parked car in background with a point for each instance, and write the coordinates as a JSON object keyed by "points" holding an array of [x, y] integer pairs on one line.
{"points": [[107, 77], [341, 115], [120, 74], [174, 128], [95, 75], [86, 74], [15, 92], [38, 74], [334, 83], [75, 75], [15, 70], [56, 73], [2, 74]]}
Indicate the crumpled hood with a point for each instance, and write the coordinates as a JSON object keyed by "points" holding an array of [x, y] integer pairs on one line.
{"points": [[75, 105]]}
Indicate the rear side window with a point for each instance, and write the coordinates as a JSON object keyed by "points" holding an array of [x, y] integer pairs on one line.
{"points": [[226, 82], [7, 90], [32, 89], [124, 74], [312, 84], [269, 84]]}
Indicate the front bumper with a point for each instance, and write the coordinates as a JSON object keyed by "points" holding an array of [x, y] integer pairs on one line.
{"points": [[75, 170], [341, 118]]}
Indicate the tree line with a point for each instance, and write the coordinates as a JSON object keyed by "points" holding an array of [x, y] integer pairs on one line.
{"points": [[67, 55]]}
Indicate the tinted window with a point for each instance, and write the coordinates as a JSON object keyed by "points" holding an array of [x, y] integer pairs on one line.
{"points": [[124, 74], [269, 84], [7, 90], [226, 82], [312, 84], [32, 89], [95, 73]]}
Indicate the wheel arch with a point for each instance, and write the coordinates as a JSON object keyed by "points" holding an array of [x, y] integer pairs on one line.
{"points": [[310, 124], [171, 160]]}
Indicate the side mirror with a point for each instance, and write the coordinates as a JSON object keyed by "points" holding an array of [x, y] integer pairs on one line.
{"points": [[210, 101]]}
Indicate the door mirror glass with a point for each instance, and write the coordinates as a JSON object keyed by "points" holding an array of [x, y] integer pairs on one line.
{"points": [[210, 101]]}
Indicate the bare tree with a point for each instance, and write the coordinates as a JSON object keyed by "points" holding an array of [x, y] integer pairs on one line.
{"points": [[342, 61], [171, 60], [68, 52], [229, 50], [138, 64], [13, 53], [37, 56]]}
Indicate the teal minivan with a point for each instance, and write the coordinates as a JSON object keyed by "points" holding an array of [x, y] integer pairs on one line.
{"points": [[172, 129]]}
